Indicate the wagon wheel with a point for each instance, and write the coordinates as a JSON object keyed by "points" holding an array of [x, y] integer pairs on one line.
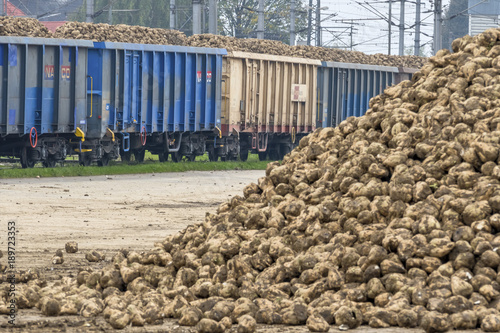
{"points": [[26, 161], [84, 159], [126, 156], [212, 155], [176, 157], [244, 155], [262, 155], [284, 150], [139, 155], [50, 162], [104, 161], [163, 157], [274, 155]]}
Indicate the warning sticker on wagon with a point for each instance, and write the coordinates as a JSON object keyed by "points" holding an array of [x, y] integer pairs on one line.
{"points": [[299, 93], [198, 76], [209, 77]]}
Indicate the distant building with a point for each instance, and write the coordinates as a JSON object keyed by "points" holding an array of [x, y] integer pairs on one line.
{"points": [[483, 15], [51, 13]]}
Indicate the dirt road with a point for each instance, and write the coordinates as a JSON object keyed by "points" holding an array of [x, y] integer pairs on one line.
{"points": [[108, 212]]}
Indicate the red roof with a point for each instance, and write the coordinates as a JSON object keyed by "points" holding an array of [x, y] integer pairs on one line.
{"points": [[52, 25], [11, 10]]}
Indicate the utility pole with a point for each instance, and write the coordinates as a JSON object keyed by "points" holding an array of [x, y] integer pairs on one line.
{"points": [[351, 32], [402, 28], [110, 12], [197, 17], [2, 10], [318, 23], [203, 19], [90, 11], [438, 10], [212, 17], [172, 14], [390, 28], [309, 22], [260, 20], [417, 30], [292, 22]]}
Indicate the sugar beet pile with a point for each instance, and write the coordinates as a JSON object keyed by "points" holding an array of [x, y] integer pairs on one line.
{"points": [[136, 34], [390, 219], [10, 26], [120, 33], [18, 26], [310, 52]]}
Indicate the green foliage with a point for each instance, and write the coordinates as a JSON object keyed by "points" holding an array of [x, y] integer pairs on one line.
{"points": [[148, 13], [150, 165], [455, 26], [236, 18], [425, 51], [239, 18]]}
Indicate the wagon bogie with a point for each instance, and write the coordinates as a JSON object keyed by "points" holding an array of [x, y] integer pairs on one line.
{"points": [[100, 151], [227, 148], [273, 146], [180, 146], [193, 145], [50, 150]]}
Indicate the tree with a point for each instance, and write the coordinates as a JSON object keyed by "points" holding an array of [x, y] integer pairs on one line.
{"points": [[239, 18], [148, 13], [456, 22], [236, 18], [425, 51]]}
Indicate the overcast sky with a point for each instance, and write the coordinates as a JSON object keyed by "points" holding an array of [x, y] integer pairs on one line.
{"points": [[370, 32]]}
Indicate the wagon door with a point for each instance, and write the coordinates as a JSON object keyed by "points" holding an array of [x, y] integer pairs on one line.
{"points": [[66, 82], [132, 91], [94, 93], [339, 95]]}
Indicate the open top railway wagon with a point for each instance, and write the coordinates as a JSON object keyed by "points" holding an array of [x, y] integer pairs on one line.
{"points": [[165, 99], [103, 100], [42, 94], [268, 104]]}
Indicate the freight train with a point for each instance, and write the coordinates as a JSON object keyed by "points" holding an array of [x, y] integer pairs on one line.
{"points": [[104, 100]]}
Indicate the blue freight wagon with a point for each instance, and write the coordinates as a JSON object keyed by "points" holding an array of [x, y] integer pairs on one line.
{"points": [[101, 99], [42, 97], [345, 89], [161, 98]]}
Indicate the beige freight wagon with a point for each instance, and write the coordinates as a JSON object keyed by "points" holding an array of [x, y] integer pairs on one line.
{"points": [[268, 104]]}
